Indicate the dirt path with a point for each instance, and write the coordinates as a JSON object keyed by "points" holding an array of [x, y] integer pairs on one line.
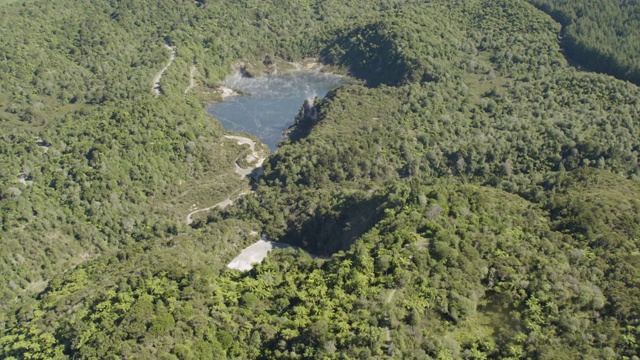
{"points": [[192, 82], [40, 285], [222, 204], [156, 80], [255, 157]]}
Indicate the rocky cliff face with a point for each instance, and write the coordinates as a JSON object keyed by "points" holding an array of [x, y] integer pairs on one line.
{"points": [[307, 117], [308, 114]]}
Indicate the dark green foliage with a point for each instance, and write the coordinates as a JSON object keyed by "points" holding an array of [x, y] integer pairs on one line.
{"points": [[601, 35]]}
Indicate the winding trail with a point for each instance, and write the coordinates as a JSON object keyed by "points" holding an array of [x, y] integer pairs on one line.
{"points": [[156, 80], [192, 82], [255, 157], [222, 204]]}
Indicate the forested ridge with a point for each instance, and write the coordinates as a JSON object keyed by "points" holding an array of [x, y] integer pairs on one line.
{"points": [[474, 196], [601, 35]]}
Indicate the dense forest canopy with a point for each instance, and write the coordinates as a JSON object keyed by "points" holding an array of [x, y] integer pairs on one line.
{"points": [[474, 196], [601, 35]]}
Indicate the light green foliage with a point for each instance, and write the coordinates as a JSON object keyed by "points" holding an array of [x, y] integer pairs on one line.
{"points": [[477, 199]]}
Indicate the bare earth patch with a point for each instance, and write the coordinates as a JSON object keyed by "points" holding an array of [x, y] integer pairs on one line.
{"points": [[254, 254]]}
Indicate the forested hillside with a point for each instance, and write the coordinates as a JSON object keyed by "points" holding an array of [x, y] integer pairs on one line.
{"points": [[91, 159], [601, 35], [474, 196]]}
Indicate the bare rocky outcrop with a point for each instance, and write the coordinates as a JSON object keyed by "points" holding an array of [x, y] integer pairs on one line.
{"points": [[253, 254], [226, 92], [309, 112], [307, 117]]}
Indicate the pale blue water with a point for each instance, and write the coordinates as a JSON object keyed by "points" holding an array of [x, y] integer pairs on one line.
{"points": [[273, 104]]}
